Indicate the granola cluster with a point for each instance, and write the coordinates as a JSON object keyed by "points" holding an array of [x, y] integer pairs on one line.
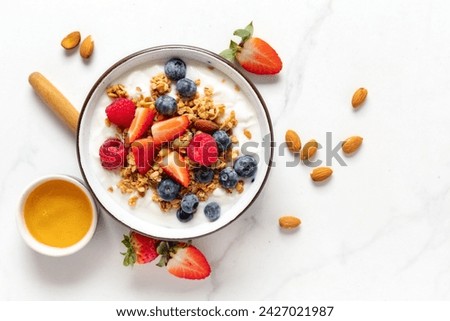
{"points": [[201, 106]]}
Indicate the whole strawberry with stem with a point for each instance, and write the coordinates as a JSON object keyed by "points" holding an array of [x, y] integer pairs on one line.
{"points": [[141, 249], [253, 54]]}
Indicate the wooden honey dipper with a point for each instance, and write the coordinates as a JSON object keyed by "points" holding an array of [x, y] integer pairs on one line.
{"points": [[55, 100]]}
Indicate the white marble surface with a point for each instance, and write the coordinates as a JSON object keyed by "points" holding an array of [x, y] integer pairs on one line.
{"points": [[379, 229]]}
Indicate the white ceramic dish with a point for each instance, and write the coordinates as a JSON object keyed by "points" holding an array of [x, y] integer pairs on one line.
{"points": [[46, 249], [154, 222]]}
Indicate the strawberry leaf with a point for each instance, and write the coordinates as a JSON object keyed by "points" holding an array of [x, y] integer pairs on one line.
{"points": [[228, 54], [163, 261], [163, 248], [243, 33], [249, 28]]}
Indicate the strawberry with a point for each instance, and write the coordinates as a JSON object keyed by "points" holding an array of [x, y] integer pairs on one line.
{"points": [[121, 112], [175, 166], [141, 249], [167, 130], [144, 153], [203, 149], [142, 121], [188, 262], [253, 54], [183, 260]]}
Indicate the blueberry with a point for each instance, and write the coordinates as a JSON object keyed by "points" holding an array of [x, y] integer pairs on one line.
{"points": [[222, 139], [168, 189], [184, 217], [212, 211], [189, 203], [186, 88], [245, 166], [204, 175], [175, 69], [228, 177], [166, 105]]}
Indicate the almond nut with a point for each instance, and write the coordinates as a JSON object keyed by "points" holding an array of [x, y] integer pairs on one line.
{"points": [[321, 173], [87, 47], [293, 141], [289, 222], [358, 97], [71, 40], [351, 144], [206, 126], [309, 150]]}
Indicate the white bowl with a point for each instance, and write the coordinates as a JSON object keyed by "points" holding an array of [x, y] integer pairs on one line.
{"points": [[149, 219], [46, 249]]}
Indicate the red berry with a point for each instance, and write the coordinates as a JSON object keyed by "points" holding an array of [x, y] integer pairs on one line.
{"points": [[121, 112], [188, 263], [203, 149], [141, 249], [112, 154], [167, 130], [258, 57]]}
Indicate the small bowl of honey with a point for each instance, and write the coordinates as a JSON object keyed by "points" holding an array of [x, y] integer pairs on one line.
{"points": [[57, 215]]}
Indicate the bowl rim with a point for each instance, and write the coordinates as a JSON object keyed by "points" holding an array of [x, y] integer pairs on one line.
{"points": [[123, 60], [47, 249]]}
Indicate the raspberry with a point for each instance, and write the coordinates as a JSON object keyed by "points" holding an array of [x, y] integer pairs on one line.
{"points": [[121, 112], [112, 154], [203, 149]]}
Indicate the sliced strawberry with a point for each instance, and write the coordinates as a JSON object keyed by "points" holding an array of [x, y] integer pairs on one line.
{"points": [[167, 130], [141, 249], [144, 154], [121, 112], [188, 263], [203, 149], [253, 54], [258, 57], [175, 166], [143, 119]]}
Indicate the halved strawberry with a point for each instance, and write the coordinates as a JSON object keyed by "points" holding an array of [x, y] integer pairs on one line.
{"points": [[141, 249], [143, 119], [144, 154], [167, 130], [189, 263], [253, 54], [175, 166]]}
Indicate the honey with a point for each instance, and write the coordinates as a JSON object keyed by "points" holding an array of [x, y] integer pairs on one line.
{"points": [[58, 213]]}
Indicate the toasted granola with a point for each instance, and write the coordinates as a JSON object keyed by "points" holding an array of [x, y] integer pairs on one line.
{"points": [[201, 106]]}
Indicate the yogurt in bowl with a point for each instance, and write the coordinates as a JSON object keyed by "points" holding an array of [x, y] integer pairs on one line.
{"points": [[224, 96]]}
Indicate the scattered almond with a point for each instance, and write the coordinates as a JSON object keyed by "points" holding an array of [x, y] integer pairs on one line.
{"points": [[289, 222], [248, 133], [351, 144], [293, 141], [87, 47], [309, 150], [71, 40], [205, 125], [321, 173], [359, 97]]}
